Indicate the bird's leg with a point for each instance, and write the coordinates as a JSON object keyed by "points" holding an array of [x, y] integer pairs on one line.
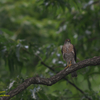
{"points": [[70, 63], [67, 65]]}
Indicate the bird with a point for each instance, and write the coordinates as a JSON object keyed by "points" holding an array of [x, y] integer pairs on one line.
{"points": [[69, 55]]}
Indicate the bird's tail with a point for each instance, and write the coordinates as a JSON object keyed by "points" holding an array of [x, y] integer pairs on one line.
{"points": [[74, 74]]}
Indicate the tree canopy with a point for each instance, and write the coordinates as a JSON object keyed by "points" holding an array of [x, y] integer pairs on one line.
{"points": [[31, 36]]}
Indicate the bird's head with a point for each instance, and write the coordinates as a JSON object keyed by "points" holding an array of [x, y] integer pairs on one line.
{"points": [[67, 41]]}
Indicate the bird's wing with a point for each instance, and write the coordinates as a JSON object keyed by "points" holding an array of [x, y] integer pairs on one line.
{"points": [[74, 52]]}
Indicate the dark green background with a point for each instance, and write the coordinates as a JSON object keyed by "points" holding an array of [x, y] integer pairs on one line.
{"points": [[43, 26]]}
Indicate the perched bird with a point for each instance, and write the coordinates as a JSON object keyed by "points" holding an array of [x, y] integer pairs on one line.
{"points": [[69, 54]]}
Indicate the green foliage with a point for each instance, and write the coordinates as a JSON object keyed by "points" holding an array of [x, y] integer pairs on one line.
{"points": [[35, 30]]}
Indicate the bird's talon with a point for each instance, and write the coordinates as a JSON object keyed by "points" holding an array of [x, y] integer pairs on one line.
{"points": [[70, 65], [66, 67]]}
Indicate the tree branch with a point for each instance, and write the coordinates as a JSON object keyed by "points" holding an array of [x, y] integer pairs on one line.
{"points": [[63, 78], [54, 79], [67, 81]]}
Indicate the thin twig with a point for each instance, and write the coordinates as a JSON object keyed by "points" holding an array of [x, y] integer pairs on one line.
{"points": [[67, 80], [54, 79], [63, 78]]}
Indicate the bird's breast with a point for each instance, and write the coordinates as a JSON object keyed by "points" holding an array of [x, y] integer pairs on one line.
{"points": [[67, 48]]}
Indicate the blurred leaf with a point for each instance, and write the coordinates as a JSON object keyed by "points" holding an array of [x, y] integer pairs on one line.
{"points": [[35, 30]]}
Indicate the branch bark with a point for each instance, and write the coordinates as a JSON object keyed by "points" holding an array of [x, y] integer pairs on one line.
{"points": [[54, 79], [43, 63], [88, 98]]}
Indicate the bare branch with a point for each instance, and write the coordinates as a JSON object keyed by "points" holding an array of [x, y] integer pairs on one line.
{"points": [[54, 79], [63, 78], [67, 81]]}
